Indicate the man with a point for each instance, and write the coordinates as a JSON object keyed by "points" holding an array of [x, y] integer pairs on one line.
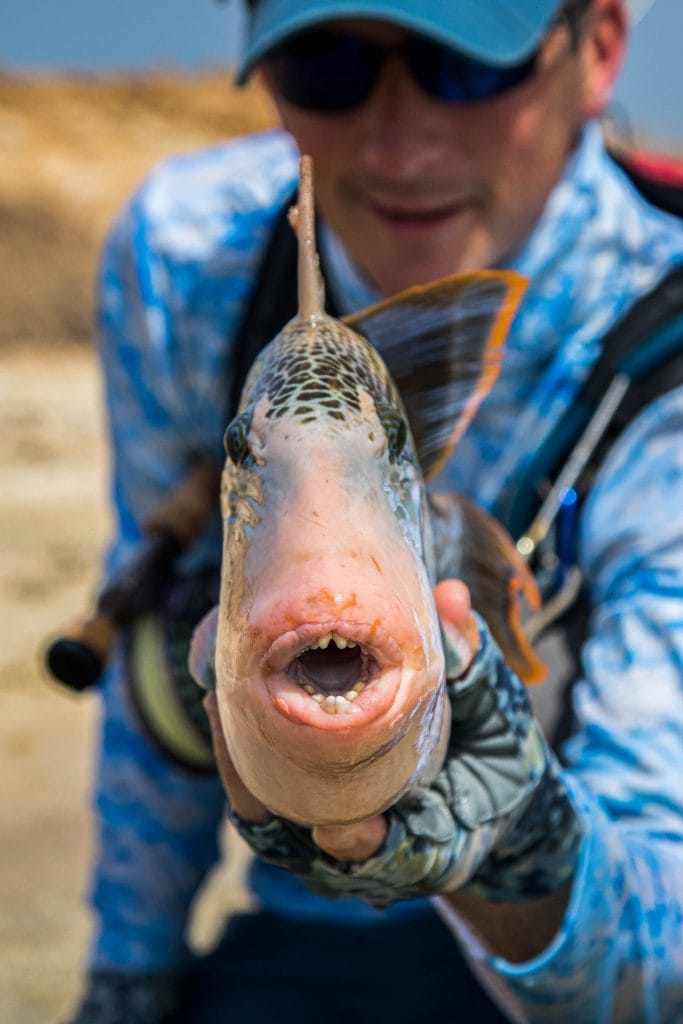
{"points": [[445, 137]]}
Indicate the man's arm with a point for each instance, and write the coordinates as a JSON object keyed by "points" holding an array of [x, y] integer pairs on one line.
{"points": [[515, 931], [603, 944], [615, 951], [157, 822]]}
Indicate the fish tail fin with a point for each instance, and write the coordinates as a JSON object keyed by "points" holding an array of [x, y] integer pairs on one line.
{"points": [[497, 576]]}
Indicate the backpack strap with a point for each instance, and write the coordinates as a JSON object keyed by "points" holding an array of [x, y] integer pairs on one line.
{"points": [[642, 358], [270, 305], [658, 179]]}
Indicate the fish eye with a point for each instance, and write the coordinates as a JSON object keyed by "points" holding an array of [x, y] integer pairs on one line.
{"points": [[394, 427], [236, 438]]}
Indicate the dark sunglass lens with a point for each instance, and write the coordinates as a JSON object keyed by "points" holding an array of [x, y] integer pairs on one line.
{"points": [[508, 78], [453, 76], [324, 71]]}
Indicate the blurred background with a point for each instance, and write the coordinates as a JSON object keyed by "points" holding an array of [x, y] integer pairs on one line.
{"points": [[91, 95], [116, 35]]}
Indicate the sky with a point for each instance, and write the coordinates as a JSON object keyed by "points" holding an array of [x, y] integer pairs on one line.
{"points": [[105, 35]]}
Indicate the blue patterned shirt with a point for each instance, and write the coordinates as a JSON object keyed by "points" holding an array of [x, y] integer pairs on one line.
{"points": [[176, 272]]}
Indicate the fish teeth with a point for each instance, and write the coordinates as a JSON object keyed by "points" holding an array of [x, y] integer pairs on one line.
{"points": [[324, 642], [336, 705], [333, 704]]}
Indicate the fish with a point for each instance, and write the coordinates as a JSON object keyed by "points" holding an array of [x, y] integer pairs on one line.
{"points": [[325, 648]]}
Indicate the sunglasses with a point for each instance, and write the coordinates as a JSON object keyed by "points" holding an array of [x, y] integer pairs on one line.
{"points": [[332, 71]]}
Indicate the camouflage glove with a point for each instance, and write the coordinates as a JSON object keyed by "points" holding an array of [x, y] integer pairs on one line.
{"points": [[119, 997], [496, 820]]}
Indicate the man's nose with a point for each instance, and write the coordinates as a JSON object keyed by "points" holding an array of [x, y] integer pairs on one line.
{"points": [[403, 128]]}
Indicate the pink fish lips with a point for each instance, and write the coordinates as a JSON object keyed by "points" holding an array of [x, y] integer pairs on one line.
{"points": [[333, 674], [329, 721]]}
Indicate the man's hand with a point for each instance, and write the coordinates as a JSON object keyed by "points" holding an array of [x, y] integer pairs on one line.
{"points": [[496, 820], [348, 843]]}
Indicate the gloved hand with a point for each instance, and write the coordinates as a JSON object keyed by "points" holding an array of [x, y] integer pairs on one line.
{"points": [[496, 820], [120, 997]]}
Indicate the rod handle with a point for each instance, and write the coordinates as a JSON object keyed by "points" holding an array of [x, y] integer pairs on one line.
{"points": [[77, 657]]}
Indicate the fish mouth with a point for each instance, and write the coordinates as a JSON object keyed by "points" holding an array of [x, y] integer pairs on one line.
{"points": [[332, 669]]}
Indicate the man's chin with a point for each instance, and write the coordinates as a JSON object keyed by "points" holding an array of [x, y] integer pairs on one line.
{"points": [[412, 266], [400, 253]]}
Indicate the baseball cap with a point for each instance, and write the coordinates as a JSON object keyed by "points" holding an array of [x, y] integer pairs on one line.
{"points": [[498, 32]]}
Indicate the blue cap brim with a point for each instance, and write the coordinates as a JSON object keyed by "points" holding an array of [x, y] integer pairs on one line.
{"points": [[499, 32]]}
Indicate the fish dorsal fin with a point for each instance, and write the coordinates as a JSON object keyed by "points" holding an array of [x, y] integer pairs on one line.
{"points": [[443, 345], [302, 219]]}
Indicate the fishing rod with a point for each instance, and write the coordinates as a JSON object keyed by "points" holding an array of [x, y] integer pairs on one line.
{"points": [[77, 657]]}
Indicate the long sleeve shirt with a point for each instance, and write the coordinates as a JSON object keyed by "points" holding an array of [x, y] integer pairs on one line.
{"points": [[176, 273]]}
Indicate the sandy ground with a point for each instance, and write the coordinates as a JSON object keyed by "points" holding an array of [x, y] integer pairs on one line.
{"points": [[71, 147], [53, 522]]}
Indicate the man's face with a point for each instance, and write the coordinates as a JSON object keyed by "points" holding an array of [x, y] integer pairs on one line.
{"points": [[417, 187]]}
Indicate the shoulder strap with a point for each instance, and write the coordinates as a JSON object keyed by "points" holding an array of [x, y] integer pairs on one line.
{"points": [[658, 179], [271, 304], [647, 347], [642, 357]]}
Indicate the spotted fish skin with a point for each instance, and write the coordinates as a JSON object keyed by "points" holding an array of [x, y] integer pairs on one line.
{"points": [[325, 373], [317, 369]]}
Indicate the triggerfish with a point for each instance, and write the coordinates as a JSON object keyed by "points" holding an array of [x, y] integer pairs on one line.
{"points": [[325, 649]]}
